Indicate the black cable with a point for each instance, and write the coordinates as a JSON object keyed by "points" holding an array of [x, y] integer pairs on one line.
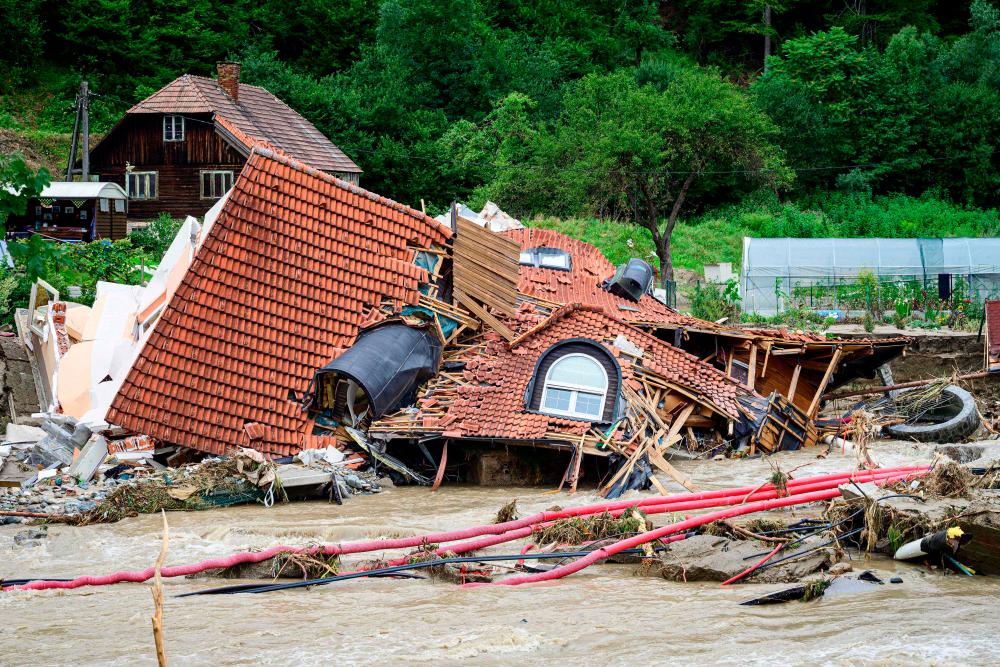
{"points": [[266, 588], [809, 550]]}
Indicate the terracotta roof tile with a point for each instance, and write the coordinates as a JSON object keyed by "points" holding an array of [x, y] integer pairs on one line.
{"points": [[272, 294], [581, 284], [259, 119]]}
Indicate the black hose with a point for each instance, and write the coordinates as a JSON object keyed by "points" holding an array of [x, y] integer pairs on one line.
{"points": [[809, 550], [267, 588]]}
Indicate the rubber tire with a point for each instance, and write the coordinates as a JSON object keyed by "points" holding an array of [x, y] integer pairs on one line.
{"points": [[962, 424]]}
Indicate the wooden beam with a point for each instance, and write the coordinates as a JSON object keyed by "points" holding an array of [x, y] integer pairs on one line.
{"points": [[794, 383], [485, 316], [578, 459], [814, 406], [752, 366], [767, 357], [657, 459], [790, 350]]}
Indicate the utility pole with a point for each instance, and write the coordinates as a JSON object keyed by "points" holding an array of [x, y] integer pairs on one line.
{"points": [[82, 121], [85, 110]]}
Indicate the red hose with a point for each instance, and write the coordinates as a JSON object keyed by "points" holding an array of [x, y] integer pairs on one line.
{"points": [[665, 505], [648, 536], [753, 567], [499, 533]]}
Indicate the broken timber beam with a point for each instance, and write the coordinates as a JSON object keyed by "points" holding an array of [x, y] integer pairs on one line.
{"points": [[905, 385], [814, 406]]}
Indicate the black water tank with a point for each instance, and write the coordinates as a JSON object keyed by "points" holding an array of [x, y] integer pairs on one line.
{"points": [[632, 279]]}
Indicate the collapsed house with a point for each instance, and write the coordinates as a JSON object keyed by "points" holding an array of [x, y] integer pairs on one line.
{"points": [[308, 313]]}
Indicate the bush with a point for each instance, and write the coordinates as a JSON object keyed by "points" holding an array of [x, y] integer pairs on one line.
{"points": [[713, 302], [156, 237]]}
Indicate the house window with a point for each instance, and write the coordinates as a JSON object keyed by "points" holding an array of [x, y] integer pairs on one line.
{"points": [[173, 128], [214, 184], [575, 386], [547, 258], [141, 185]]}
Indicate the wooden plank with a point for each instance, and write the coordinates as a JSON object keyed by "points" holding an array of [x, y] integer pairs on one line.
{"points": [[752, 366], [814, 406], [657, 459], [767, 357], [485, 316], [795, 382], [578, 459]]}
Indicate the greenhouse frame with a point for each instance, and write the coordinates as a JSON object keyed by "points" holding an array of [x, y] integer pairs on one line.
{"points": [[839, 273]]}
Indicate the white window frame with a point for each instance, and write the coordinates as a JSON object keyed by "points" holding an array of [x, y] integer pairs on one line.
{"points": [[153, 176], [171, 121], [576, 390], [213, 173]]}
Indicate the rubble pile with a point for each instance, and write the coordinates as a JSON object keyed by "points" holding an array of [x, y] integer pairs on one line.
{"points": [[64, 472]]}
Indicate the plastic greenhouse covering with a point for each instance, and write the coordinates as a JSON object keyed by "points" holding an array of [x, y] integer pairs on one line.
{"points": [[823, 273]]}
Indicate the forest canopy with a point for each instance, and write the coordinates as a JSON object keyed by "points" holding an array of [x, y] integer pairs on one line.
{"points": [[631, 110]]}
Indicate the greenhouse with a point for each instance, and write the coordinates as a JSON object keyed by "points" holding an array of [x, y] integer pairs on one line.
{"points": [[842, 274]]}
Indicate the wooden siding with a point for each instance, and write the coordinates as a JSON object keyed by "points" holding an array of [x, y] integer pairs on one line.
{"points": [[138, 140], [110, 225]]}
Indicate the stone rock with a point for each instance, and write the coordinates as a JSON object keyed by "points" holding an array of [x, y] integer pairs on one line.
{"points": [[30, 536], [712, 558], [961, 453], [838, 569]]}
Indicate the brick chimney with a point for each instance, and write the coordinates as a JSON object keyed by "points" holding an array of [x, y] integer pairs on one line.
{"points": [[229, 79]]}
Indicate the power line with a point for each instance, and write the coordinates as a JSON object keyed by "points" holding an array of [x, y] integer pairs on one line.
{"points": [[584, 170]]}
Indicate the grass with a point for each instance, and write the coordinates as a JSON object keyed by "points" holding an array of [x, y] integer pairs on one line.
{"points": [[717, 235]]}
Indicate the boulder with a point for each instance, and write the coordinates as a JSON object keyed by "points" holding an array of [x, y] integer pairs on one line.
{"points": [[712, 558]]}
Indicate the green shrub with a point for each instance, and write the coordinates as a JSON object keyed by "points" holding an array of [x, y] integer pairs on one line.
{"points": [[712, 302], [156, 237]]}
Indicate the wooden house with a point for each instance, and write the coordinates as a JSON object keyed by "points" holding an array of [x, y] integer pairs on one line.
{"points": [[179, 150]]}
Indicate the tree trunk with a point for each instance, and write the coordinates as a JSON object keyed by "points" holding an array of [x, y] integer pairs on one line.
{"points": [[767, 35], [666, 262], [663, 240]]}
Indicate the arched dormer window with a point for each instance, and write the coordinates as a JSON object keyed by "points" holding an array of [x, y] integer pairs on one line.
{"points": [[578, 380]]}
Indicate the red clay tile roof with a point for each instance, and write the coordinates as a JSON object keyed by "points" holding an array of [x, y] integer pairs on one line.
{"points": [[581, 284], [492, 405], [278, 287], [258, 115]]}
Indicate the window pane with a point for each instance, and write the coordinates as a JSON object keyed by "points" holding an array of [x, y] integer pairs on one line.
{"points": [[554, 261], [527, 259], [588, 404], [151, 188], [578, 369], [557, 399]]}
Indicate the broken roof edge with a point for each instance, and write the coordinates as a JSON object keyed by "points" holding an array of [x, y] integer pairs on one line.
{"points": [[298, 165]]}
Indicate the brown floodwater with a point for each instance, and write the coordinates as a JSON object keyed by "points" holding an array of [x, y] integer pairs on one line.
{"points": [[604, 615]]}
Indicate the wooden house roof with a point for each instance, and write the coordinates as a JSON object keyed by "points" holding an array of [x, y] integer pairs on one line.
{"points": [[259, 117]]}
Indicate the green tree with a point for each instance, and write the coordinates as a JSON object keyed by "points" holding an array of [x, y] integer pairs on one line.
{"points": [[632, 153], [18, 184]]}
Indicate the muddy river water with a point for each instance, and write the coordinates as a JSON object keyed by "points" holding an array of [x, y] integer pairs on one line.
{"points": [[604, 615]]}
